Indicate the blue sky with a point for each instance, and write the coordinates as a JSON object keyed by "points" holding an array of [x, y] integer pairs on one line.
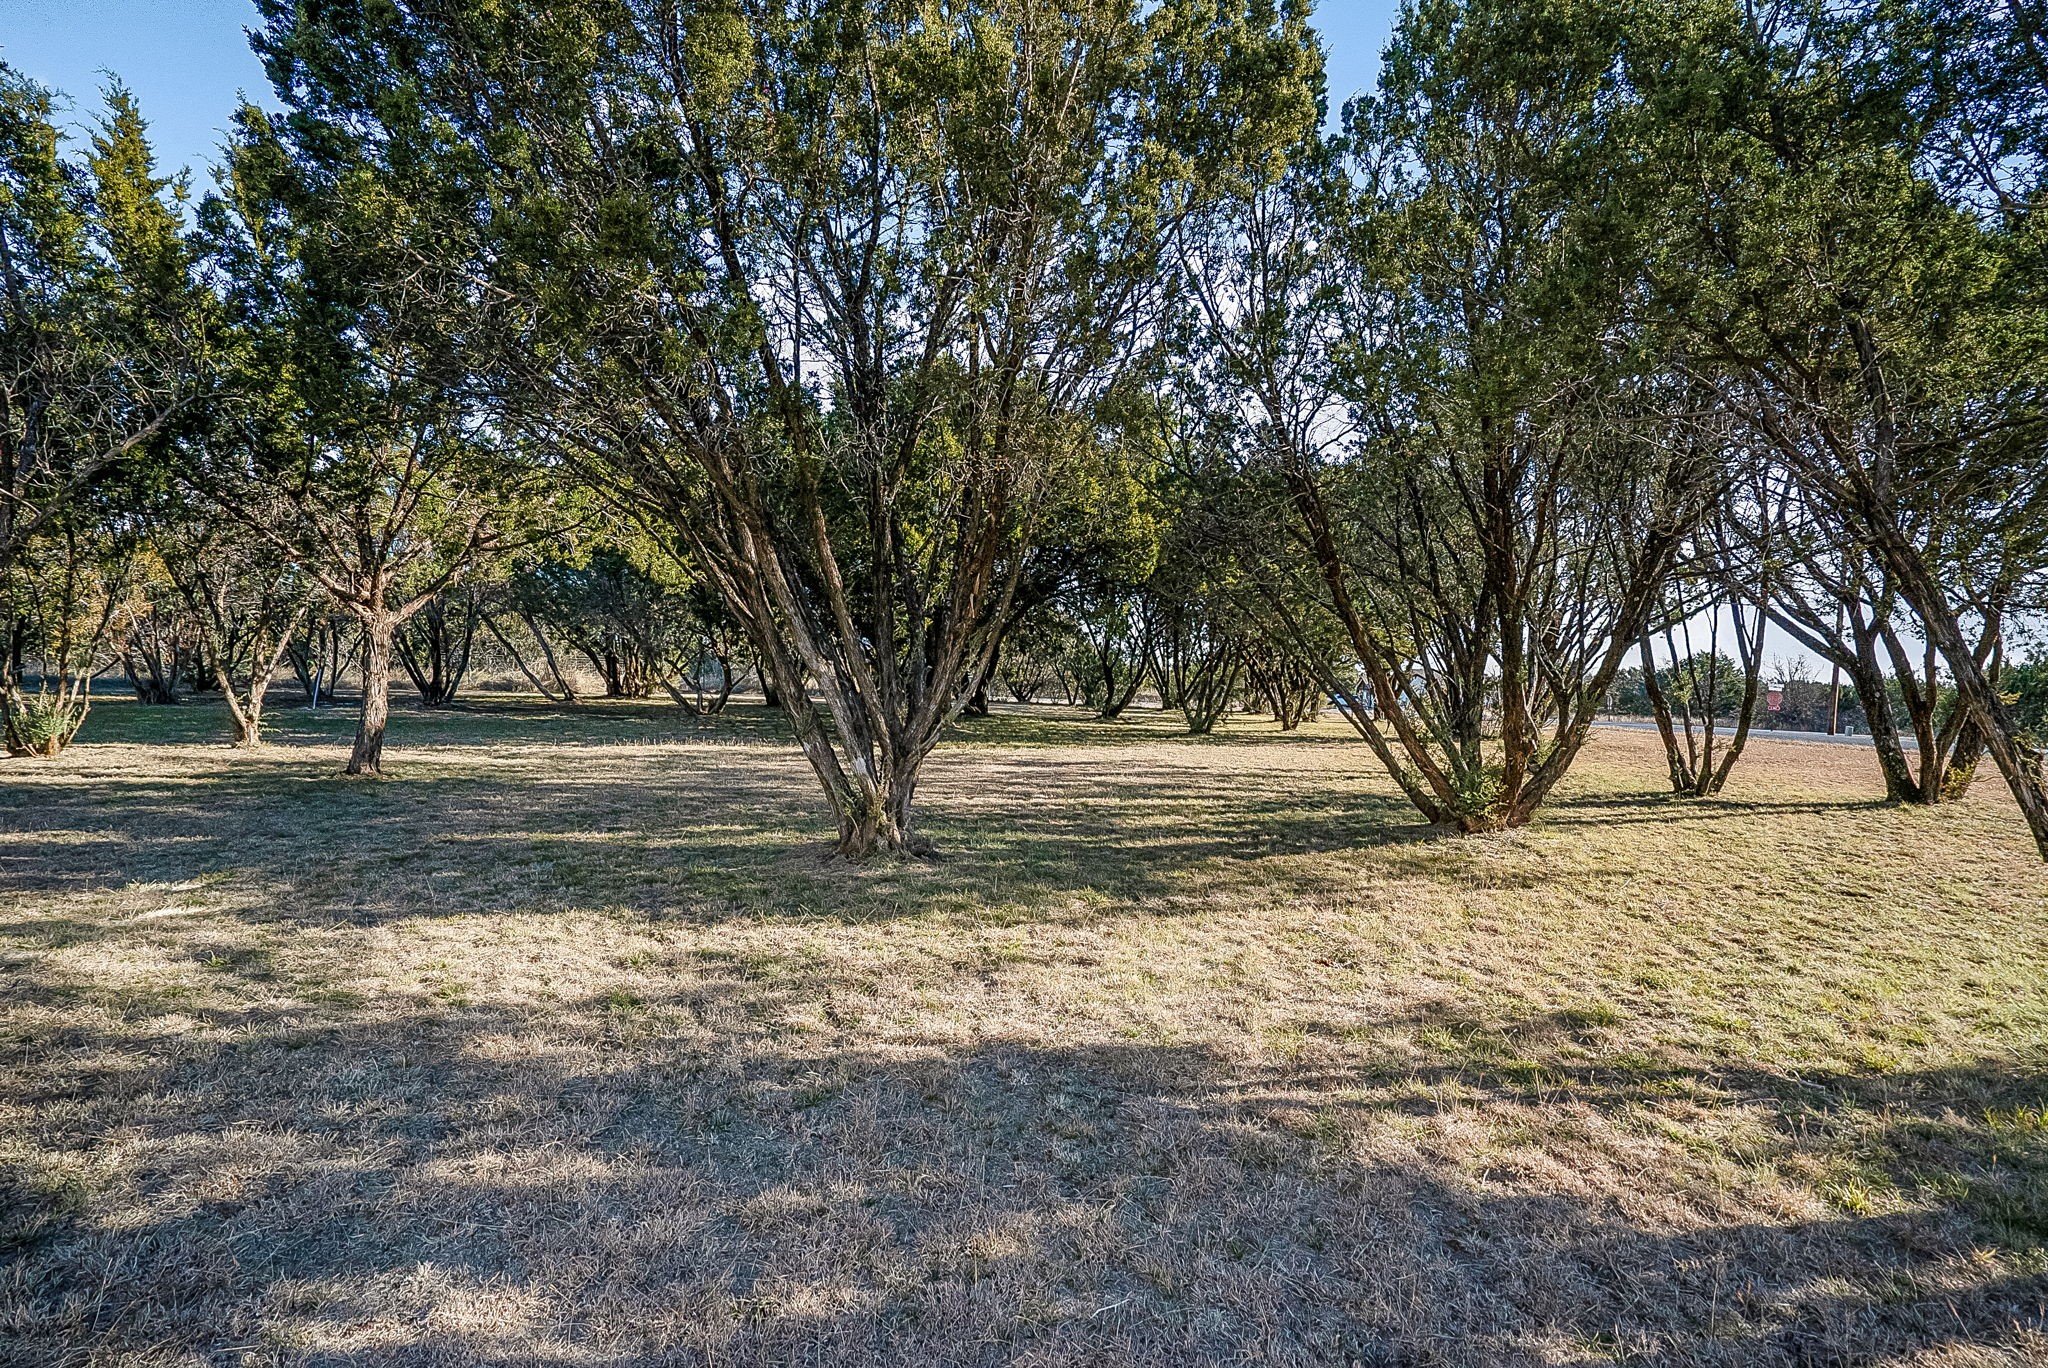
{"points": [[187, 60]]}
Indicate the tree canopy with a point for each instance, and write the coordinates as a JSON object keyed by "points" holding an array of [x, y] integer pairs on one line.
{"points": [[879, 350]]}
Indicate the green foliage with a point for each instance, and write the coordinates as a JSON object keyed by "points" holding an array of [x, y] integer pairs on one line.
{"points": [[353, 440], [1704, 684], [889, 335], [41, 723], [2026, 686], [102, 324], [1458, 449], [833, 295], [634, 626], [103, 349]]}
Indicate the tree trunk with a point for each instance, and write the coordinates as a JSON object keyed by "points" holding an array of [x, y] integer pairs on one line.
{"points": [[726, 680], [2018, 762], [1677, 759], [1745, 718], [874, 817], [977, 697], [491, 626], [249, 722], [248, 715], [1116, 697], [1869, 500], [368, 756], [1866, 676], [1962, 765]]}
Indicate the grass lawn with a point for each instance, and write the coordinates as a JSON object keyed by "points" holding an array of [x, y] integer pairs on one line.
{"points": [[563, 1045]]}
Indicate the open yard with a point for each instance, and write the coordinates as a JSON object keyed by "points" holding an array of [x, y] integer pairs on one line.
{"points": [[563, 1045]]}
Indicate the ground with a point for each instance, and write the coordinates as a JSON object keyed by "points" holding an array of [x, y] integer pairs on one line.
{"points": [[564, 1044]]}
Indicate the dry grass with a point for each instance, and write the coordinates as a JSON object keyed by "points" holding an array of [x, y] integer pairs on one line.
{"points": [[562, 1045]]}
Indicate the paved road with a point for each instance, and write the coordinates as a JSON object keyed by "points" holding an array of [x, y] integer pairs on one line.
{"points": [[1822, 738]]}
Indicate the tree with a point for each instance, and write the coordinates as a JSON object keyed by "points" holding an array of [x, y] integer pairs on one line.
{"points": [[1195, 597], [320, 653], [1043, 650], [1976, 74], [1292, 652], [63, 597], [2027, 686], [603, 605], [1454, 440], [824, 289], [1884, 342], [1730, 574], [158, 647], [1791, 560], [353, 446], [102, 352], [246, 598], [521, 597], [1690, 697], [1122, 633], [436, 643], [1201, 650], [713, 654]]}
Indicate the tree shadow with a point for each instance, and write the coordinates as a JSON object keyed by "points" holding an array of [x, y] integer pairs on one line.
{"points": [[1041, 724], [634, 807], [689, 829], [1658, 807], [709, 1171], [479, 720], [679, 1179]]}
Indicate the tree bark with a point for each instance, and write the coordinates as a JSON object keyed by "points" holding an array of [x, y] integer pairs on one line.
{"points": [[1962, 764], [2016, 761], [1867, 493], [491, 626], [1866, 676], [1751, 650], [875, 818], [1858, 657], [368, 756], [1117, 696], [248, 718], [1677, 759], [870, 795], [248, 715], [248, 721]]}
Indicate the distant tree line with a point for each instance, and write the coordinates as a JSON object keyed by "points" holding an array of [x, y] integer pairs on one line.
{"points": [[901, 358]]}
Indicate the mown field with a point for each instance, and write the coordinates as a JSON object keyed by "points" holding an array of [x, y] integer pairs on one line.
{"points": [[563, 1044]]}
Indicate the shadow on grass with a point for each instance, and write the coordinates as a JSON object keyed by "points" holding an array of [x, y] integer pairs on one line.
{"points": [[697, 829], [514, 805], [1040, 724], [1664, 807], [700, 1171], [479, 721], [679, 1179], [495, 719], [1972, 1138]]}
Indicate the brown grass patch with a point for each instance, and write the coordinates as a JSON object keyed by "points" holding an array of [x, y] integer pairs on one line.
{"points": [[561, 1046]]}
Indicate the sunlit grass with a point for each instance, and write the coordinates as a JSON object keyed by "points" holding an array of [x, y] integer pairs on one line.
{"points": [[564, 1042]]}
